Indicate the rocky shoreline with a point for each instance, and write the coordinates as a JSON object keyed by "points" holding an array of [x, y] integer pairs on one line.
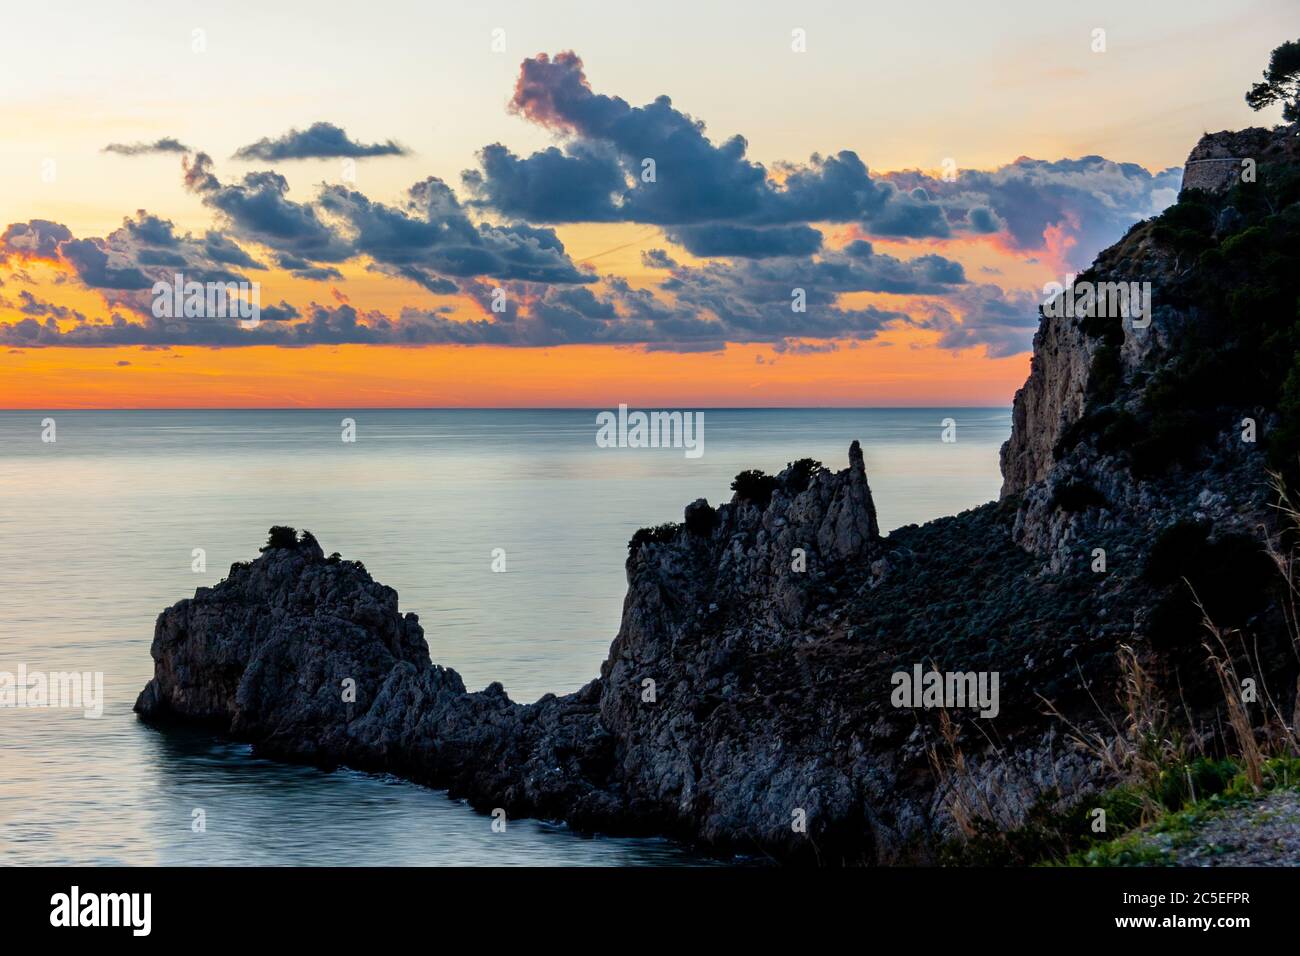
{"points": [[745, 703]]}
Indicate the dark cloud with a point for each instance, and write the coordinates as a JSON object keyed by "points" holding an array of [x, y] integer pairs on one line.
{"points": [[578, 185], [93, 261], [429, 239], [318, 141], [654, 164], [302, 269], [855, 268], [755, 300], [322, 326], [694, 180], [155, 257], [125, 265], [279, 313], [657, 259], [696, 309], [983, 220], [219, 248], [1072, 206], [726, 239], [199, 177], [167, 144], [31, 305], [151, 230], [839, 188], [258, 210]]}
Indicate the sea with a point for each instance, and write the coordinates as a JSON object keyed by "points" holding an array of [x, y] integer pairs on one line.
{"points": [[505, 530]]}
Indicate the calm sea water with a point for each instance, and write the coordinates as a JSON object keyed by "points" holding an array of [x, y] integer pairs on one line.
{"points": [[97, 532]]}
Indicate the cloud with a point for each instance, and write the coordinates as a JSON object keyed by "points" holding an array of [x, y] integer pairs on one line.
{"points": [[257, 210], [725, 239], [855, 268], [984, 220], [93, 261], [429, 239], [839, 188], [693, 180], [302, 269], [1003, 323], [322, 326], [318, 141], [1070, 209], [124, 265], [654, 164], [219, 248], [430, 236], [167, 144], [37, 239], [756, 300], [657, 259], [31, 305], [577, 185], [710, 307], [796, 347]]}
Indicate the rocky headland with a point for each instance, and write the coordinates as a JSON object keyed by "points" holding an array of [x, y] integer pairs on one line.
{"points": [[745, 704]]}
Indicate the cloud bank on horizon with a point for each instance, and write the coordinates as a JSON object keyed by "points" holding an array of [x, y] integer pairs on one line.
{"points": [[757, 239]]}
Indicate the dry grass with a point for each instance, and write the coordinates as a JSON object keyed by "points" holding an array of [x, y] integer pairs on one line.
{"points": [[1145, 744], [1248, 752], [1141, 742], [950, 770]]}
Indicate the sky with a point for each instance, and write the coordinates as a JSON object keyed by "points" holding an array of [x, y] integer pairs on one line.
{"points": [[578, 204]]}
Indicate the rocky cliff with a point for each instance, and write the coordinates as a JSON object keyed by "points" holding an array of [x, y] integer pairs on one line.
{"points": [[747, 700], [1129, 420]]}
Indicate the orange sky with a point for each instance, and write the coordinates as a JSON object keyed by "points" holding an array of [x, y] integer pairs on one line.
{"points": [[887, 371]]}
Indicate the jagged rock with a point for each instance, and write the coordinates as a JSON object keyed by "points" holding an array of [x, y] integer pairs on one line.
{"points": [[269, 654], [310, 660]]}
